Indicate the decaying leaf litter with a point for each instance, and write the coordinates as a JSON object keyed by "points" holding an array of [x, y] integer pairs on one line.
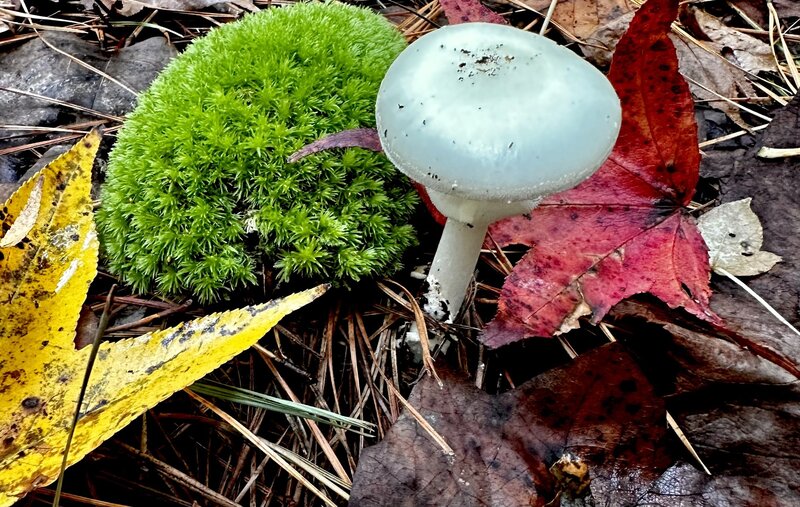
{"points": [[343, 343]]}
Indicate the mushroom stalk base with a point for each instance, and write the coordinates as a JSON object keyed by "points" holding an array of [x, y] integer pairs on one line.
{"points": [[452, 268]]}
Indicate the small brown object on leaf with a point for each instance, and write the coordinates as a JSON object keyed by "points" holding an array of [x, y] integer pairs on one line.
{"points": [[572, 475]]}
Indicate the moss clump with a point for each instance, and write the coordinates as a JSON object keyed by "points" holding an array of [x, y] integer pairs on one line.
{"points": [[198, 191]]}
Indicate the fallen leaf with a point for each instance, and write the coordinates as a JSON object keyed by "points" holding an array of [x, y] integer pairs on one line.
{"points": [[44, 280], [23, 223], [511, 448], [86, 328], [706, 66], [724, 63], [712, 72], [597, 416], [41, 385], [601, 43], [463, 11], [788, 8], [685, 486], [749, 437], [771, 184], [734, 237], [581, 18], [624, 230], [692, 356], [738, 409], [747, 52], [756, 10]]}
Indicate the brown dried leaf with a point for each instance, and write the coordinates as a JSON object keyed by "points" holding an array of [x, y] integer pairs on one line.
{"points": [[706, 65], [714, 73], [599, 409], [582, 18], [738, 410], [366, 138], [600, 44], [749, 53], [693, 357], [684, 486], [723, 61]]}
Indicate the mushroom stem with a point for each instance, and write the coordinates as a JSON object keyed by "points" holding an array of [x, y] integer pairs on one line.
{"points": [[452, 268]]}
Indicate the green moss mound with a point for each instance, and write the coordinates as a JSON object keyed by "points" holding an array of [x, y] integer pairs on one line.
{"points": [[198, 192]]}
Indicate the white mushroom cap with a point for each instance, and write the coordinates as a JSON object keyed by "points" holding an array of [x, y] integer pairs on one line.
{"points": [[490, 112]]}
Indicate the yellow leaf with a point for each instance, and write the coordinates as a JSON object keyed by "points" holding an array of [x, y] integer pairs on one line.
{"points": [[43, 282], [27, 217], [45, 276]]}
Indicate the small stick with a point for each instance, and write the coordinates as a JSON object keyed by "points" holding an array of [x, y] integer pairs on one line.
{"points": [[150, 318], [419, 320], [548, 17], [82, 394], [422, 422]]}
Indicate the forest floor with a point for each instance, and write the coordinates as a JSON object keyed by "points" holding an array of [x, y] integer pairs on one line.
{"points": [[731, 402]]}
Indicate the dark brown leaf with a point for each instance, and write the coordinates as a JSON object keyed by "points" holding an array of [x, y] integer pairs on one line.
{"points": [[86, 330], [738, 410], [772, 183], [789, 8], [757, 9], [694, 355], [600, 409], [754, 9]]}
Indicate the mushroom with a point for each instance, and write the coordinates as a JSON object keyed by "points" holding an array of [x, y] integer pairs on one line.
{"points": [[490, 119]]}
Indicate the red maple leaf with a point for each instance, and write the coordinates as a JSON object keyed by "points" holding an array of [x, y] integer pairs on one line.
{"points": [[625, 230]]}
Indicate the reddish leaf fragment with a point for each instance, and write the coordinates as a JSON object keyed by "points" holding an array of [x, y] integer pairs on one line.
{"points": [[435, 213], [469, 11], [624, 230], [366, 138], [600, 409]]}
